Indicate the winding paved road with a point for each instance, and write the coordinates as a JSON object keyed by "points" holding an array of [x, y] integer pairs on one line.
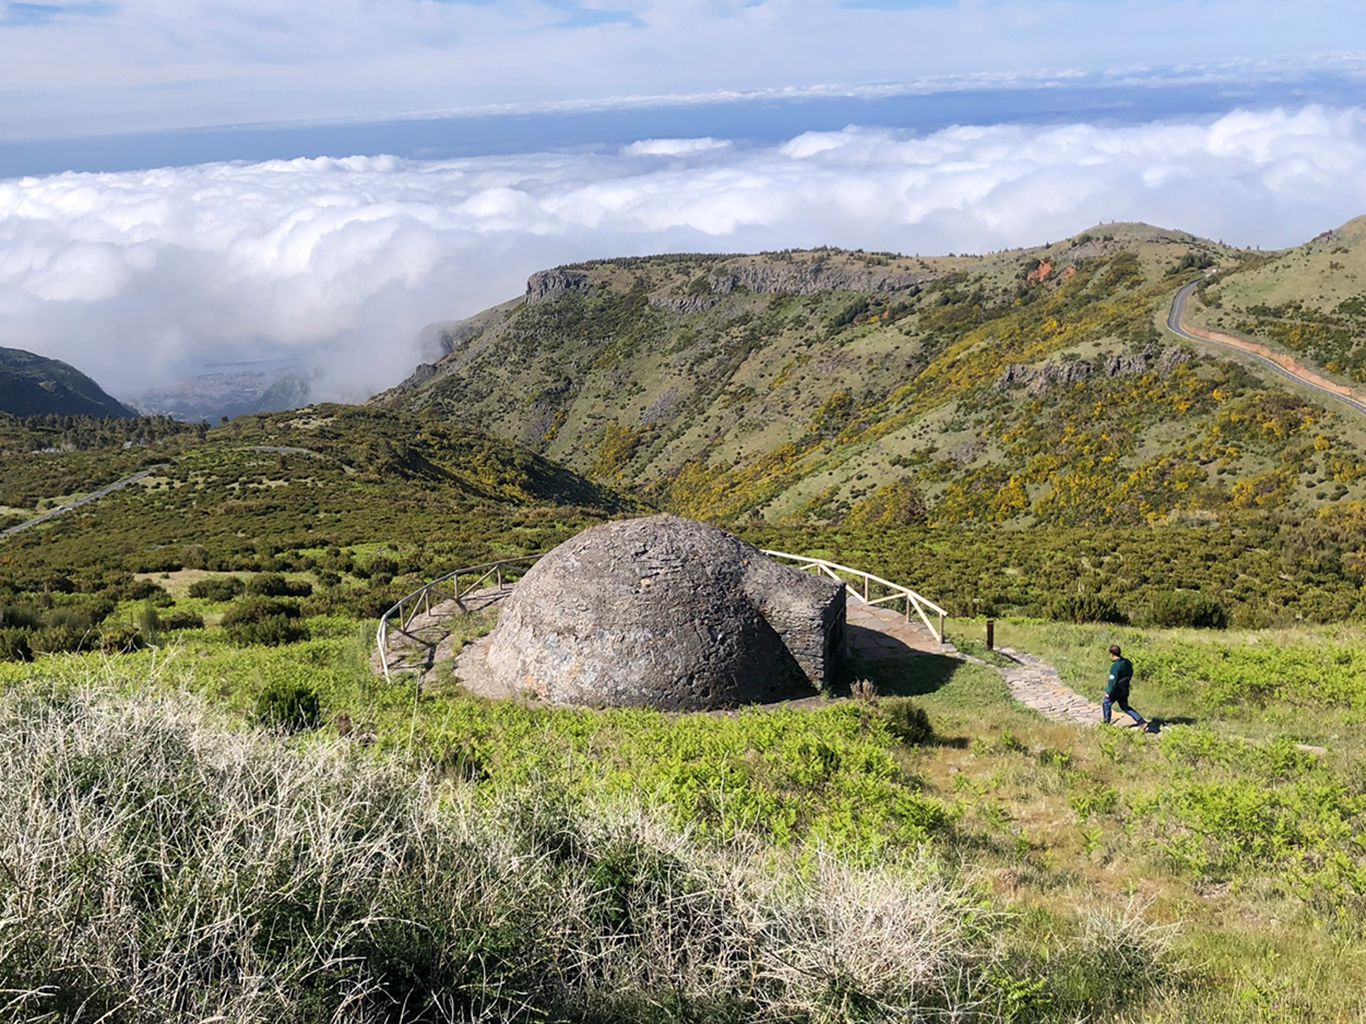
{"points": [[117, 485], [1275, 361]]}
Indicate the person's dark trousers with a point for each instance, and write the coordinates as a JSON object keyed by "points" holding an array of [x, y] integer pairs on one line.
{"points": [[1123, 703]]}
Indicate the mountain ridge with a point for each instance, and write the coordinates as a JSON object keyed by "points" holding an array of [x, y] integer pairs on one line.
{"points": [[1030, 385], [34, 385]]}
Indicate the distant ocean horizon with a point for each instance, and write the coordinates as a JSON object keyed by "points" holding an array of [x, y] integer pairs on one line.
{"points": [[1109, 100]]}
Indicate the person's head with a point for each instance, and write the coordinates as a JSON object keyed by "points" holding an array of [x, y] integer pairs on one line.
{"points": [[1114, 650]]}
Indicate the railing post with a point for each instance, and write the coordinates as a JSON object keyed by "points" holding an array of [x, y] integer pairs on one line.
{"points": [[941, 628], [865, 590]]}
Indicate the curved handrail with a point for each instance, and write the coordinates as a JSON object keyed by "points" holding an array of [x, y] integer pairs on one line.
{"points": [[424, 594], [406, 608], [898, 592]]}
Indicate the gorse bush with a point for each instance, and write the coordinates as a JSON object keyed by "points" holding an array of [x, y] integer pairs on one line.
{"points": [[1085, 608], [243, 878], [1186, 608], [217, 588], [288, 706]]}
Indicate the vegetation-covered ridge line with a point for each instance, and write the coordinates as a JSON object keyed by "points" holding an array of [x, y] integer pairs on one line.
{"points": [[857, 388], [33, 385]]}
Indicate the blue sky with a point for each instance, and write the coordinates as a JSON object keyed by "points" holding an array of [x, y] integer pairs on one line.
{"points": [[73, 70]]}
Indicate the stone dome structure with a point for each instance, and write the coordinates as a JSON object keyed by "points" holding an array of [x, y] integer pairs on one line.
{"points": [[667, 613]]}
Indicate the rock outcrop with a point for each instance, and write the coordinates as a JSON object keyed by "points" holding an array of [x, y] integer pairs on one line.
{"points": [[1040, 378], [550, 284], [810, 278], [667, 613]]}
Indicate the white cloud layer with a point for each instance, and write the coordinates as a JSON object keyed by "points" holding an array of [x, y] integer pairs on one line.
{"points": [[137, 277]]}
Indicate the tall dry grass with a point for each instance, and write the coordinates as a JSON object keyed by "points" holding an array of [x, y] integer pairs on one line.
{"points": [[157, 864]]}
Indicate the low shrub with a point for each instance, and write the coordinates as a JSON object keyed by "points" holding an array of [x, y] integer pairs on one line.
{"points": [[354, 602], [906, 720], [288, 706], [182, 620], [122, 638], [1186, 608], [59, 638], [263, 620], [275, 585], [14, 645], [19, 616], [217, 588], [140, 590], [81, 616], [1081, 608]]}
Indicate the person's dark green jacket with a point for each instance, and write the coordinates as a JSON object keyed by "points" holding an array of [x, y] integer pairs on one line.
{"points": [[1121, 672]]}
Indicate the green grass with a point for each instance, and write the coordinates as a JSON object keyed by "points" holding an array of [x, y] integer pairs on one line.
{"points": [[1221, 828], [164, 865]]}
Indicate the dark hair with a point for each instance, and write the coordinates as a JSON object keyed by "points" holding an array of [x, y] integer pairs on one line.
{"points": [[1114, 649]]}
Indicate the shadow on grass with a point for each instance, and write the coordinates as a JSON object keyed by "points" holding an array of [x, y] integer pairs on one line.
{"points": [[1156, 725], [912, 675]]}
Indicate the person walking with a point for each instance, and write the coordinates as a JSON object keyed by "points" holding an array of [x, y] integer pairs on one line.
{"points": [[1117, 688]]}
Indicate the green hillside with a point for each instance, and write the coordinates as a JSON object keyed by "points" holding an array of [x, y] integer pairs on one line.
{"points": [[237, 818], [277, 492], [1031, 387], [33, 385], [1309, 300]]}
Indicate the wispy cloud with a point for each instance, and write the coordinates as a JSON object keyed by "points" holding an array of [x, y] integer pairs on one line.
{"points": [[13, 14], [152, 64], [136, 276], [674, 147]]}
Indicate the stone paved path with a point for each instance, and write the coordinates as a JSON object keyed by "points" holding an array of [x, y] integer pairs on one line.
{"points": [[1035, 684], [877, 632]]}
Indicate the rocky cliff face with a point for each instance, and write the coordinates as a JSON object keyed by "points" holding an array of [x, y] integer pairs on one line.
{"points": [[551, 284], [811, 278], [1038, 379]]}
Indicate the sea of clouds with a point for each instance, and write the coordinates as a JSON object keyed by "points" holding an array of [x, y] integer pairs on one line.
{"points": [[140, 277]]}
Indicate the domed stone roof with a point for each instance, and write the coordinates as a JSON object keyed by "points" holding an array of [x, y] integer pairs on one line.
{"points": [[667, 613]]}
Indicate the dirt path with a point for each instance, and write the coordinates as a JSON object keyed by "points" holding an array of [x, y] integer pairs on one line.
{"points": [[1276, 361], [63, 509]]}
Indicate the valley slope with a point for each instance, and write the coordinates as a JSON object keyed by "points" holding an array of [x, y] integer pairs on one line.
{"points": [[1029, 386], [33, 385]]}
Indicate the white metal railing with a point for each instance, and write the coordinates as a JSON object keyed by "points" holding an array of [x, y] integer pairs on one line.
{"points": [[419, 601], [895, 591]]}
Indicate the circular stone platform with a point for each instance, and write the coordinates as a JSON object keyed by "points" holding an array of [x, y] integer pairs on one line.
{"points": [[667, 613]]}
